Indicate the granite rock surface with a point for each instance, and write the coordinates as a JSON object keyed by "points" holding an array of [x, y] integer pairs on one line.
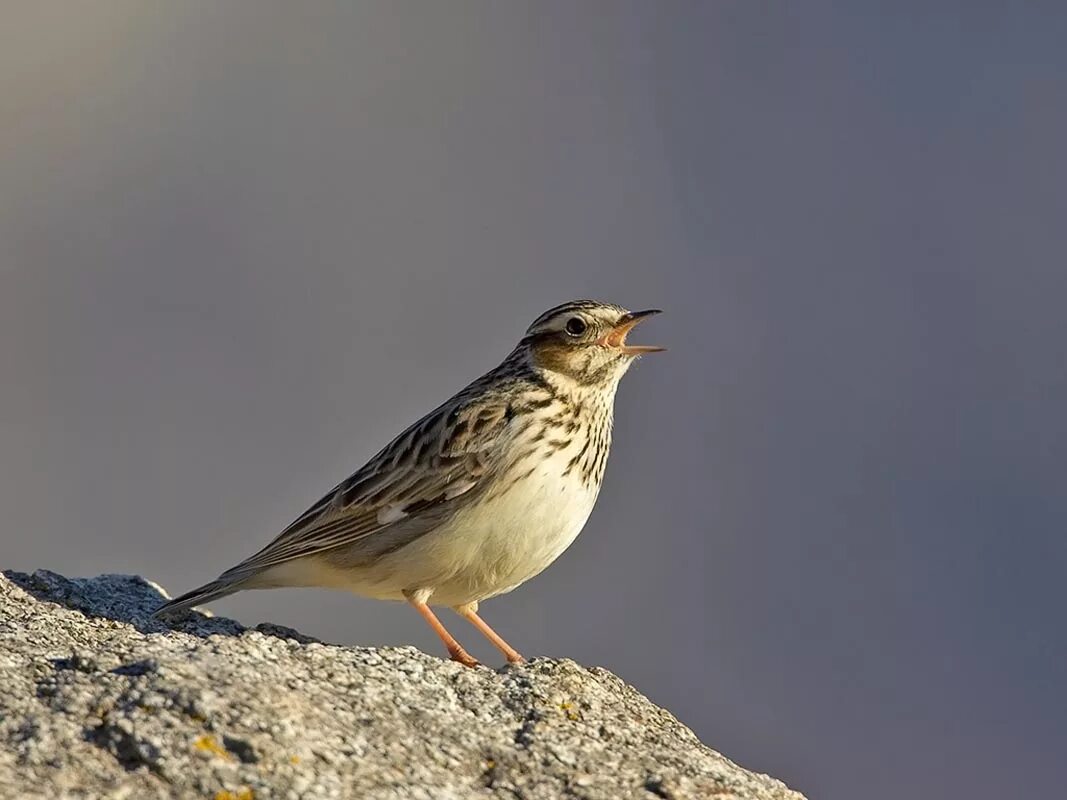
{"points": [[99, 700]]}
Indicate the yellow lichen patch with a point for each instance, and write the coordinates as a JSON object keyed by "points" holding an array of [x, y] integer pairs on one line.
{"points": [[209, 744], [568, 709], [244, 793], [294, 760]]}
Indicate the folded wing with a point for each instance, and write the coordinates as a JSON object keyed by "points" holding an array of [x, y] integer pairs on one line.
{"points": [[443, 456]]}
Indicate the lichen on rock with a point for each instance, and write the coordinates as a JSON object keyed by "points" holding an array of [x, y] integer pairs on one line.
{"points": [[101, 700]]}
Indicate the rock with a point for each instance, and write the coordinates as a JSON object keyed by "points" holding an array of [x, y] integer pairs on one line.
{"points": [[100, 700]]}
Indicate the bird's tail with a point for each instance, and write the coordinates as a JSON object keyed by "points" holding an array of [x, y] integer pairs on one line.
{"points": [[219, 587]]}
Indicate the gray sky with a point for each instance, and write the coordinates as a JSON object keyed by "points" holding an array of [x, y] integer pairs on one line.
{"points": [[242, 246]]}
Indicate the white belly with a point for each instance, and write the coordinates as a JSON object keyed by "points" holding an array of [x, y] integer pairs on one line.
{"points": [[485, 550], [494, 546]]}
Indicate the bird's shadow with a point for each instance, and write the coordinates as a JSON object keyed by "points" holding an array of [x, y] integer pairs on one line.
{"points": [[132, 600]]}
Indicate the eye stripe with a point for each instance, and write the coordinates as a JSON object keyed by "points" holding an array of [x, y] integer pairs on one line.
{"points": [[571, 308]]}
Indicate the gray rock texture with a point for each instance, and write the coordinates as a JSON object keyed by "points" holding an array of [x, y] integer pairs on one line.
{"points": [[100, 700]]}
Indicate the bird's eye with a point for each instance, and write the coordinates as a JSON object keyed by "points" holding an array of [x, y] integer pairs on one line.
{"points": [[576, 326]]}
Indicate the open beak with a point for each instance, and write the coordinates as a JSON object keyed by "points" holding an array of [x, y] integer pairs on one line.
{"points": [[616, 337]]}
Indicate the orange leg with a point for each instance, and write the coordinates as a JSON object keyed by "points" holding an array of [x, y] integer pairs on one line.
{"points": [[470, 614], [455, 649]]}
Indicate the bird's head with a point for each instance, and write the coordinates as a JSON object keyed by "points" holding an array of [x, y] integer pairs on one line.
{"points": [[586, 341]]}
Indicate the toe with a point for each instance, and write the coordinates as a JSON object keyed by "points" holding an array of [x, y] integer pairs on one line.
{"points": [[464, 658]]}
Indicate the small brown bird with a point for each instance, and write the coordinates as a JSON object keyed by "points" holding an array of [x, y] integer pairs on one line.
{"points": [[475, 498]]}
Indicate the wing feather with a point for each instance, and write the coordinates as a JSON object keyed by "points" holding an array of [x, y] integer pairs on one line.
{"points": [[445, 455]]}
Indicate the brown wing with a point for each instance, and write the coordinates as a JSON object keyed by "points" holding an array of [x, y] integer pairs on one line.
{"points": [[444, 455]]}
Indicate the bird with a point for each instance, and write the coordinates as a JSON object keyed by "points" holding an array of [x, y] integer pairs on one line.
{"points": [[476, 497]]}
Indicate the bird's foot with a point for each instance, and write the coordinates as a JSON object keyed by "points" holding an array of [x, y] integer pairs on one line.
{"points": [[463, 657]]}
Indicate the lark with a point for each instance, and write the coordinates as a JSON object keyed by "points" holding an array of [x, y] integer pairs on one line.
{"points": [[478, 496]]}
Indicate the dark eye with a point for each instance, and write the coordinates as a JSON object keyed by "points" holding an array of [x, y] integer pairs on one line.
{"points": [[576, 326]]}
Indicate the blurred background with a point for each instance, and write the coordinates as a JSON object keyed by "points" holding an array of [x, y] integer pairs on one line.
{"points": [[242, 245]]}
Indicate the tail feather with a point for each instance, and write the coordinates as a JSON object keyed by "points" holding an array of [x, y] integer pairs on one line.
{"points": [[204, 594]]}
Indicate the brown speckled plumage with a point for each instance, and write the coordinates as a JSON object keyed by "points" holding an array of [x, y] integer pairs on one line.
{"points": [[477, 496]]}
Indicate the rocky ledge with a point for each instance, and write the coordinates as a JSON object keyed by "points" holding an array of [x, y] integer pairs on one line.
{"points": [[100, 700]]}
